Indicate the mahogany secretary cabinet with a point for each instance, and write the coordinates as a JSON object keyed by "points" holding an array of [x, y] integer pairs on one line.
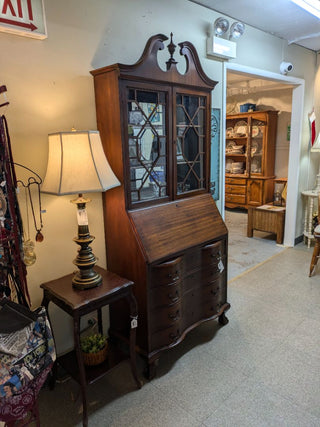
{"points": [[250, 158], [163, 229]]}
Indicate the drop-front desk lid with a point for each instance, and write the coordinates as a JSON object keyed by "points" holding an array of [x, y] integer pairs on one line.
{"points": [[170, 228]]}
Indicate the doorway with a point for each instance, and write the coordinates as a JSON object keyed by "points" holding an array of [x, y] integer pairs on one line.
{"points": [[252, 78]]}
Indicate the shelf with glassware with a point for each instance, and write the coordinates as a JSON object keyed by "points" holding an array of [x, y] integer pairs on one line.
{"points": [[250, 157]]}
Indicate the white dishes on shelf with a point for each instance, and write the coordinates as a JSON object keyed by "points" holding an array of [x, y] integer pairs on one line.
{"points": [[233, 148], [234, 167], [255, 131], [256, 148], [241, 128], [229, 132], [255, 166], [237, 168], [229, 165], [230, 146], [238, 149]]}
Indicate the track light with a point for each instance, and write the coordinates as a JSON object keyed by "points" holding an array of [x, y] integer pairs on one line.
{"points": [[236, 30], [221, 26]]}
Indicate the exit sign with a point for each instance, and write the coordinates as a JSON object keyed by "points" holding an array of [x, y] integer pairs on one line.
{"points": [[23, 17]]}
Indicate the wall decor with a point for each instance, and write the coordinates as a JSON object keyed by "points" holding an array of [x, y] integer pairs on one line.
{"points": [[215, 153], [24, 18]]}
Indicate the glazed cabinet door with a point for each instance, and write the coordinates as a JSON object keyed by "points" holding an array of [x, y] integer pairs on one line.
{"points": [[191, 136], [258, 147], [147, 143]]}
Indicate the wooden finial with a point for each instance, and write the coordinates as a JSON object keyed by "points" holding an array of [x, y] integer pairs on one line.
{"points": [[171, 49]]}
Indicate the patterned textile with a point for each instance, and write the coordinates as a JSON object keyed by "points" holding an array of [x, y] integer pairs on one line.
{"points": [[18, 406], [26, 358]]}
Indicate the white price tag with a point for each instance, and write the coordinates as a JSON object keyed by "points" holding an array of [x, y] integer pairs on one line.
{"points": [[220, 266], [134, 322]]}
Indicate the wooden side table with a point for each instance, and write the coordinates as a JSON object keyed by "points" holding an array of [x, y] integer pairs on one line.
{"points": [[77, 303], [311, 203], [267, 218]]}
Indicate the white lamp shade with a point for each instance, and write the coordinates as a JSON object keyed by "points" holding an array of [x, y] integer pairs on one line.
{"points": [[316, 145], [77, 164]]}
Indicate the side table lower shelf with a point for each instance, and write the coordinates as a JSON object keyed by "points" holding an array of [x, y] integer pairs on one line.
{"points": [[93, 373], [78, 303]]}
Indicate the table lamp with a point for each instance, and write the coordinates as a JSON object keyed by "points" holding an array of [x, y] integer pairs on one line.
{"points": [[76, 165], [316, 149]]}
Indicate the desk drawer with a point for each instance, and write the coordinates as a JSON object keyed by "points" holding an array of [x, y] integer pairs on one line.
{"points": [[236, 181], [165, 317], [165, 295], [236, 198], [166, 273], [165, 338], [236, 189], [213, 252]]}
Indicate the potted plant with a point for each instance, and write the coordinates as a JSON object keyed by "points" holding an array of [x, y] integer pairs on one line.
{"points": [[94, 349]]}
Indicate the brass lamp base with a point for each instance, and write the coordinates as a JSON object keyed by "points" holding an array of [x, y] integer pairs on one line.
{"points": [[83, 281], [86, 277]]}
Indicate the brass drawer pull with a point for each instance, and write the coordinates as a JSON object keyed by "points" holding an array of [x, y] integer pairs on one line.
{"points": [[216, 255], [174, 297], [174, 277], [174, 316]]}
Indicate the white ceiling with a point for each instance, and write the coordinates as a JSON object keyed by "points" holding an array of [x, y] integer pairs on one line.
{"points": [[246, 84], [281, 18]]}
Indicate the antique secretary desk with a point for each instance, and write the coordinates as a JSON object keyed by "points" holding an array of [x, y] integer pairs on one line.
{"points": [[163, 229]]}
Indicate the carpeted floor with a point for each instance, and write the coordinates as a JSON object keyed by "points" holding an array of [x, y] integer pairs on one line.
{"points": [[245, 252], [262, 369], [254, 372]]}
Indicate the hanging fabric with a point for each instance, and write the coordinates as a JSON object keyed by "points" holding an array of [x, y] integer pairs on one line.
{"points": [[312, 121], [13, 271], [27, 354]]}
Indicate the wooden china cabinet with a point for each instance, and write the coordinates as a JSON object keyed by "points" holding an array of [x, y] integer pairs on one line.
{"points": [[163, 229], [250, 158]]}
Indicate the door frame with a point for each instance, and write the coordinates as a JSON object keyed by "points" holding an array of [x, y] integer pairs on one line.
{"points": [[295, 140]]}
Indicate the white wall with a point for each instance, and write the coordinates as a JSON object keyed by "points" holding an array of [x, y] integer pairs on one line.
{"points": [[50, 89], [315, 157]]}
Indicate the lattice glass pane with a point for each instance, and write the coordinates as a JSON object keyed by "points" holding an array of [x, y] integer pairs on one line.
{"points": [[190, 130], [256, 150], [147, 144]]}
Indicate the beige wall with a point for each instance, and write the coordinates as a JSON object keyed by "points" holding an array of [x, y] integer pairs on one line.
{"points": [[50, 89]]}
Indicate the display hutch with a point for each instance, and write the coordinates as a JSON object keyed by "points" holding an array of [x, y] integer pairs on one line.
{"points": [[250, 158], [163, 229]]}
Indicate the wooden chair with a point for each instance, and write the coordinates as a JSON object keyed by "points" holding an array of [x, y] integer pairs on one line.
{"points": [[316, 235]]}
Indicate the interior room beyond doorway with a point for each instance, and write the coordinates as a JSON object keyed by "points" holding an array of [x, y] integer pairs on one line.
{"points": [[245, 91]]}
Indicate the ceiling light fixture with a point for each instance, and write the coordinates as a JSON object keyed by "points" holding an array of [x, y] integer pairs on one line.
{"points": [[219, 44], [236, 30], [311, 6], [221, 26]]}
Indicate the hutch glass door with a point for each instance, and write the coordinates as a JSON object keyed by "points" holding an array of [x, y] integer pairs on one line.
{"points": [[190, 132], [258, 128], [147, 144]]}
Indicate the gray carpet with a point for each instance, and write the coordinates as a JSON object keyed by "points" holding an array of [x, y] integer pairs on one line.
{"points": [[247, 252], [189, 388], [262, 369]]}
